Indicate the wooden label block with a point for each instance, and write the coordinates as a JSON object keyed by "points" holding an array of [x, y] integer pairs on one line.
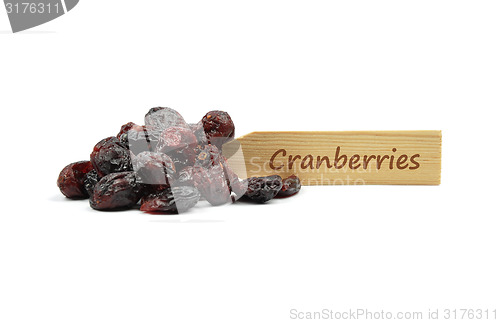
{"points": [[340, 157]]}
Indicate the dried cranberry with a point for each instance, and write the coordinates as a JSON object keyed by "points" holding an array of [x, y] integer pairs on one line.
{"points": [[291, 186], [110, 156], [90, 180], [122, 135], [116, 191], [153, 168], [71, 179], [218, 127], [263, 189], [207, 156], [212, 184], [173, 200], [199, 133], [185, 177], [175, 139], [141, 138], [163, 118]]}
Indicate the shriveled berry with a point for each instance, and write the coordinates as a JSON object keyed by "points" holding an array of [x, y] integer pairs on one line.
{"points": [[185, 177], [263, 189], [175, 139], [207, 156], [199, 132], [212, 184], [173, 200], [163, 118], [218, 127], [291, 186], [153, 168], [116, 191], [122, 135], [110, 156], [179, 144], [90, 180], [141, 138], [71, 178]]}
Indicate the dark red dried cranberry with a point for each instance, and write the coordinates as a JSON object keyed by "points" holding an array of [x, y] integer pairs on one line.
{"points": [[110, 156], [207, 156], [175, 139], [122, 135], [263, 189], [163, 118], [291, 186], [173, 200], [218, 127], [153, 168], [185, 177], [71, 179], [141, 138], [199, 132], [212, 184], [116, 191], [90, 180]]}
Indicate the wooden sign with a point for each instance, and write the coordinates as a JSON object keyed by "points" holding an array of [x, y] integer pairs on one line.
{"points": [[340, 157]]}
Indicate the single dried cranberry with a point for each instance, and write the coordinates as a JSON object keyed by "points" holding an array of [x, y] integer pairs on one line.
{"points": [[185, 177], [163, 118], [176, 139], [263, 189], [172, 200], [122, 135], [110, 156], [153, 168], [90, 180], [207, 156], [218, 127], [141, 138], [71, 179], [199, 133], [291, 186], [116, 191], [212, 184]]}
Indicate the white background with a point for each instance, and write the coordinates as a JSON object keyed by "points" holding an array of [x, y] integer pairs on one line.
{"points": [[274, 65]]}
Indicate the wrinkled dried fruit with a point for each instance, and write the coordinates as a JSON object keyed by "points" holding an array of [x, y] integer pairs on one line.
{"points": [[110, 156], [71, 178], [185, 177], [291, 186], [212, 184], [176, 139], [153, 168], [116, 191], [163, 118], [218, 127], [207, 156], [170, 165], [141, 138], [122, 135], [199, 133], [263, 189], [173, 200], [179, 144], [90, 180]]}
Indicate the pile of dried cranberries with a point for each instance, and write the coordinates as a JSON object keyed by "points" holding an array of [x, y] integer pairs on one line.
{"points": [[167, 165]]}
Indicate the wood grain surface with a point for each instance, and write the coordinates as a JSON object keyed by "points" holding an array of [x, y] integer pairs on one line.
{"points": [[340, 157]]}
